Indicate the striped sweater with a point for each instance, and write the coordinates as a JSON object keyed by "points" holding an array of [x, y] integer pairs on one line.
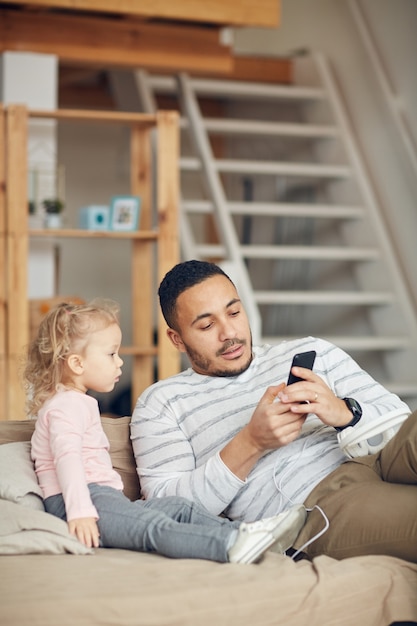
{"points": [[180, 424]]}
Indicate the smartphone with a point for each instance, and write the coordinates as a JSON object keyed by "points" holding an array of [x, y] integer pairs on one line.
{"points": [[302, 359]]}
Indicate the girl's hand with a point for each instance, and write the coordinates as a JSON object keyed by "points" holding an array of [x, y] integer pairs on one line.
{"points": [[86, 531]]}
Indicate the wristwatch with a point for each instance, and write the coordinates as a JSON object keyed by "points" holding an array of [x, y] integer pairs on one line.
{"points": [[356, 410]]}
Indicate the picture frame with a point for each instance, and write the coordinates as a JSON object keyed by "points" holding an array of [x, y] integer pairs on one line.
{"points": [[124, 213]]}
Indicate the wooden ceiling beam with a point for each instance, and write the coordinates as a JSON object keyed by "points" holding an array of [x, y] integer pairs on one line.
{"points": [[115, 42], [85, 87], [223, 12]]}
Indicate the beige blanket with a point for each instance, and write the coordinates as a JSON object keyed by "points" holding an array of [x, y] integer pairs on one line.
{"points": [[130, 589]]}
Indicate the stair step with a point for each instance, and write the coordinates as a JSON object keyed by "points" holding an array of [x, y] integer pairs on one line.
{"points": [[403, 390], [316, 253], [278, 209], [349, 343], [255, 127], [283, 168], [211, 250], [233, 88], [234, 166], [190, 164], [244, 89], [324, 297], [282, 129]]}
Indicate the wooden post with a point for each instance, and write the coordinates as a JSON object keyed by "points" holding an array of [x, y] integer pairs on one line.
{"points": [[167, 171], [142, 261], [17, 255], [3, 266]]}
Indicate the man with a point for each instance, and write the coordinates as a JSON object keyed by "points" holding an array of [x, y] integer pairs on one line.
{"points": [[230, 434]]}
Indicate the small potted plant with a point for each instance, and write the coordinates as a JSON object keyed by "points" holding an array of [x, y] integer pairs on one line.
{"points": [[53, 209], [36, 220]]}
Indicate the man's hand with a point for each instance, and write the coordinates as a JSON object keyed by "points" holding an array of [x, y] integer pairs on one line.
{"points": [[272, 426], [321, 399], [86, 531]]}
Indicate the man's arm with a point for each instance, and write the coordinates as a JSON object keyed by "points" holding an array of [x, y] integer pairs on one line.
{"points": [[272, 426], [166, 460], [167, 467]]}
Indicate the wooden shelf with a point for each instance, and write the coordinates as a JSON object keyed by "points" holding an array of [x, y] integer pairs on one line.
{"points": [[154, 156], [144, 120], [145, 235]]}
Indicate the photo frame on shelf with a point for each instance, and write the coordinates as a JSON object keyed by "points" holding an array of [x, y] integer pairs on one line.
{"points": [[124, 213]]}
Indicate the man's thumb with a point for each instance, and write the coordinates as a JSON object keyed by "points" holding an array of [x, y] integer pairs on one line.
{"points": [[272, 392]]}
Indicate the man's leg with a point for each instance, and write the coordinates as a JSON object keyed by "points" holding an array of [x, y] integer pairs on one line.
{"points": [[367, 515], [398, 459]]}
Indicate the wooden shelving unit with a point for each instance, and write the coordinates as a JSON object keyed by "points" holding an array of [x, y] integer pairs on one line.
{"points": [[150, 173]]}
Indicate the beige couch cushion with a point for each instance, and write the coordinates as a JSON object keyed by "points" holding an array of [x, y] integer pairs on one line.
{"points": [[19, 430], [117, 430], [118, 433], [18, 482]]}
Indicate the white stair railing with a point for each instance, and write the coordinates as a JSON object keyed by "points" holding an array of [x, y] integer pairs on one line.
{"points": [[148, 102], [234, 265]]}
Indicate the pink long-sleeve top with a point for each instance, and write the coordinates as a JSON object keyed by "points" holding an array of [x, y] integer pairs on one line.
{"points": [[70, 450]]}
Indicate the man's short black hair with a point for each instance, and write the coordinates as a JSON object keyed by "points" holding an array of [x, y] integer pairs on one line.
{"points": [[178, 279]]}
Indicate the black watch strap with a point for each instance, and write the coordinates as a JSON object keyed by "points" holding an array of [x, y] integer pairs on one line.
{"points": [[356, 410]]}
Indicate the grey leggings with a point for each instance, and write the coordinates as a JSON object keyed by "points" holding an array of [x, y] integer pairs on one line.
{"points": [[172, 526], [371, 503]]}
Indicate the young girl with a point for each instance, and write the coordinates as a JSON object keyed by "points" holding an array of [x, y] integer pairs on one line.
{"points": [[77, 349]]}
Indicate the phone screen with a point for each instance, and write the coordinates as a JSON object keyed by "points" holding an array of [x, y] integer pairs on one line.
{"points": [[302, 359]]}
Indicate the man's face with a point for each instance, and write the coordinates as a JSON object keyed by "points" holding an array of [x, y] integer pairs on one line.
{"points": [[213, 329]]}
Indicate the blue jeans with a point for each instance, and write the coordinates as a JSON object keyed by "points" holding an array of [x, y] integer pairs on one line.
{"points": [[172, 526]]}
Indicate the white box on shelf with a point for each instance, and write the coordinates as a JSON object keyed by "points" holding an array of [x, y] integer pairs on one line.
{"points": [[94, 217]]}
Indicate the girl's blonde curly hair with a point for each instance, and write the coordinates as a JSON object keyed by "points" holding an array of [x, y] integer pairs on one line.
{"points": [[63, 331]]}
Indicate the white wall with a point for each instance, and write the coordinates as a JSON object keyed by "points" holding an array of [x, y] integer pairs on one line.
{"points": [[328, 26], [32, 79]]}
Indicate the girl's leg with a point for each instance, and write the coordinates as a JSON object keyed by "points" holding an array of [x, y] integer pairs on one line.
{"points": [[55, 506], [183, 510], [164, 528], [177, 528]]}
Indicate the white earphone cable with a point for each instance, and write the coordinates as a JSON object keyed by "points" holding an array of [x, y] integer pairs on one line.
{"points": [[282, 493]]}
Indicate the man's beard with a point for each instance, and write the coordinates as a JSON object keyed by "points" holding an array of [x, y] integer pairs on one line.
{"points": [[202, 364]]}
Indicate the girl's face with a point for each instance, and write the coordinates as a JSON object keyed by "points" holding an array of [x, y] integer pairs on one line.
{"points": [[100, 363]]}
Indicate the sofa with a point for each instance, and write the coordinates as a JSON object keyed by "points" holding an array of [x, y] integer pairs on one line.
{"points": [[48, 578]]}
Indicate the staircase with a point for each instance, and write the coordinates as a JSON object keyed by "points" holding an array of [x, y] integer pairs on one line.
{"points": [[275, 191]]}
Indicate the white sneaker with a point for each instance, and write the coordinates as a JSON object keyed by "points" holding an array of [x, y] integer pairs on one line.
{"points": [[255, 538], [294, 521]]}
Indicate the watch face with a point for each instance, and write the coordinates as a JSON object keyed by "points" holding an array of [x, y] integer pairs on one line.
{"points": [[356, 410], [354, 406]]}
